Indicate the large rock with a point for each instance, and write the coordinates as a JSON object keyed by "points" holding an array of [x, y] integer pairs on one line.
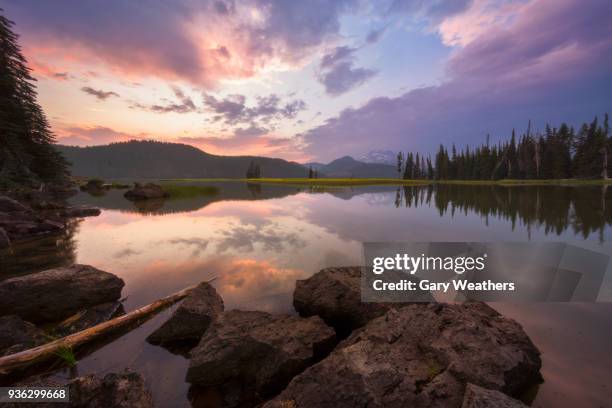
{"points": [[192, 318], [122, 390], [57, 293], [419, 356], [257, 352], [16, 335], [126, 389], [145, 192], [478, 397], [334, 294]]}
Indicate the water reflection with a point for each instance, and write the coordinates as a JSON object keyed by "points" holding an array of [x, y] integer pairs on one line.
{"points": [[257, 239]]}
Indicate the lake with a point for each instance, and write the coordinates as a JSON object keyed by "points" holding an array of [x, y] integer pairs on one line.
{"points": [[257, 239]]}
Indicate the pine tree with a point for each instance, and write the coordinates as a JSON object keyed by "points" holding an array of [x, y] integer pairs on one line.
{"points": [[27, 154], [400, 163]]}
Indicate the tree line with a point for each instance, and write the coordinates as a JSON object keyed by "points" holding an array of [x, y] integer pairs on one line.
{"points": [[557, 153], [27, 155]]}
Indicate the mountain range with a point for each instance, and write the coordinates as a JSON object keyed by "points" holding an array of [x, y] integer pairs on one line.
{"points": [[152, 159]]}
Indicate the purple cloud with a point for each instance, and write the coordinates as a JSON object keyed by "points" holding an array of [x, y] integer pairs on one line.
{"points": [[233, 109], [553, 62], [169, 39], [98, 93], [338, 74], [184, 105]]}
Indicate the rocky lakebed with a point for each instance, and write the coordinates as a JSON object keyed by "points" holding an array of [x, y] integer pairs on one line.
{"points": [[336, 351]]}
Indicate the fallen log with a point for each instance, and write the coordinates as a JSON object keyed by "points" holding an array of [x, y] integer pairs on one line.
{"points": [[37, 355]]}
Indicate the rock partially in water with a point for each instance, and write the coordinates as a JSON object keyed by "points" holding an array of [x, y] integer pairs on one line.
{"points": [[257, 353], [145, 192], [58, 293], [115, 390], [421, 356], [20, 222], [478, 397], [94, 187], [79, 212], [88, 318], [191, 319], [5, 241], [16, 335], [334, 294], [8, 205]]}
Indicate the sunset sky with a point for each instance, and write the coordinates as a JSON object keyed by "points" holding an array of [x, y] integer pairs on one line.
{"points": [[314, 80]]}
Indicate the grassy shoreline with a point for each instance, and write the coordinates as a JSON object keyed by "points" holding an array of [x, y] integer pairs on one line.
{"points": [[388, 181]]}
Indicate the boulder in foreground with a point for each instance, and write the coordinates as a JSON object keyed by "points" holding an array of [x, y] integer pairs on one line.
{"points": [[334, 294], [419, 356], [257, 352], [58, 293], [126, 389], [478, 397], [192, 318], [146, 192]]}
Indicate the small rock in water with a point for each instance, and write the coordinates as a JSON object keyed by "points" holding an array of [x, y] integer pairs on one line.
{"points": [[478, 397], [421, 356], [192, 318], [145, 192], [58, 293], [256, 353], [16, 335]]}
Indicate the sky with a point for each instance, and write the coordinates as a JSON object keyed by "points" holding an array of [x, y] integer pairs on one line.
{"points": [[314, 80]]}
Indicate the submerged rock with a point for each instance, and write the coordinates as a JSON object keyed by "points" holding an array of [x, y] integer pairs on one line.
{"points": [[122, 390], [55, 294], [478, 397], [16, 335], [88, 318], [334, 294], [256, 352], [145, 192], [192, 318], [421, 356]]}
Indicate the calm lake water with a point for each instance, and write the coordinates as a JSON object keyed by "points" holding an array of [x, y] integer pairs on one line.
{"points": [[258, 239]]}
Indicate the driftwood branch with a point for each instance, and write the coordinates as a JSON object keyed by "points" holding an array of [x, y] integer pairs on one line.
{"points": [[28, 358]]}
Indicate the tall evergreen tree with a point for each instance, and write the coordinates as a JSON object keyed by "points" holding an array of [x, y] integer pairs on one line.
{"points": [[26, 142]]}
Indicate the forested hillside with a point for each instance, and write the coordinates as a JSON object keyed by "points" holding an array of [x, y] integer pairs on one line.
{"points": [[151, 159]]}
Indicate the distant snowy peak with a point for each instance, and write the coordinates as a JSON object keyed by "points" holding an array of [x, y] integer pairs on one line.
{"points": [[379, 156]]}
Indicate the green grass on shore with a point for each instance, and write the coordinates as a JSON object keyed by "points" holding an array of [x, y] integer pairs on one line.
{"points": [[382, 181]]}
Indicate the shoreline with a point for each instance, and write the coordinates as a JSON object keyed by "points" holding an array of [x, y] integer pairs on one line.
{"points": [[389, 181]]}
